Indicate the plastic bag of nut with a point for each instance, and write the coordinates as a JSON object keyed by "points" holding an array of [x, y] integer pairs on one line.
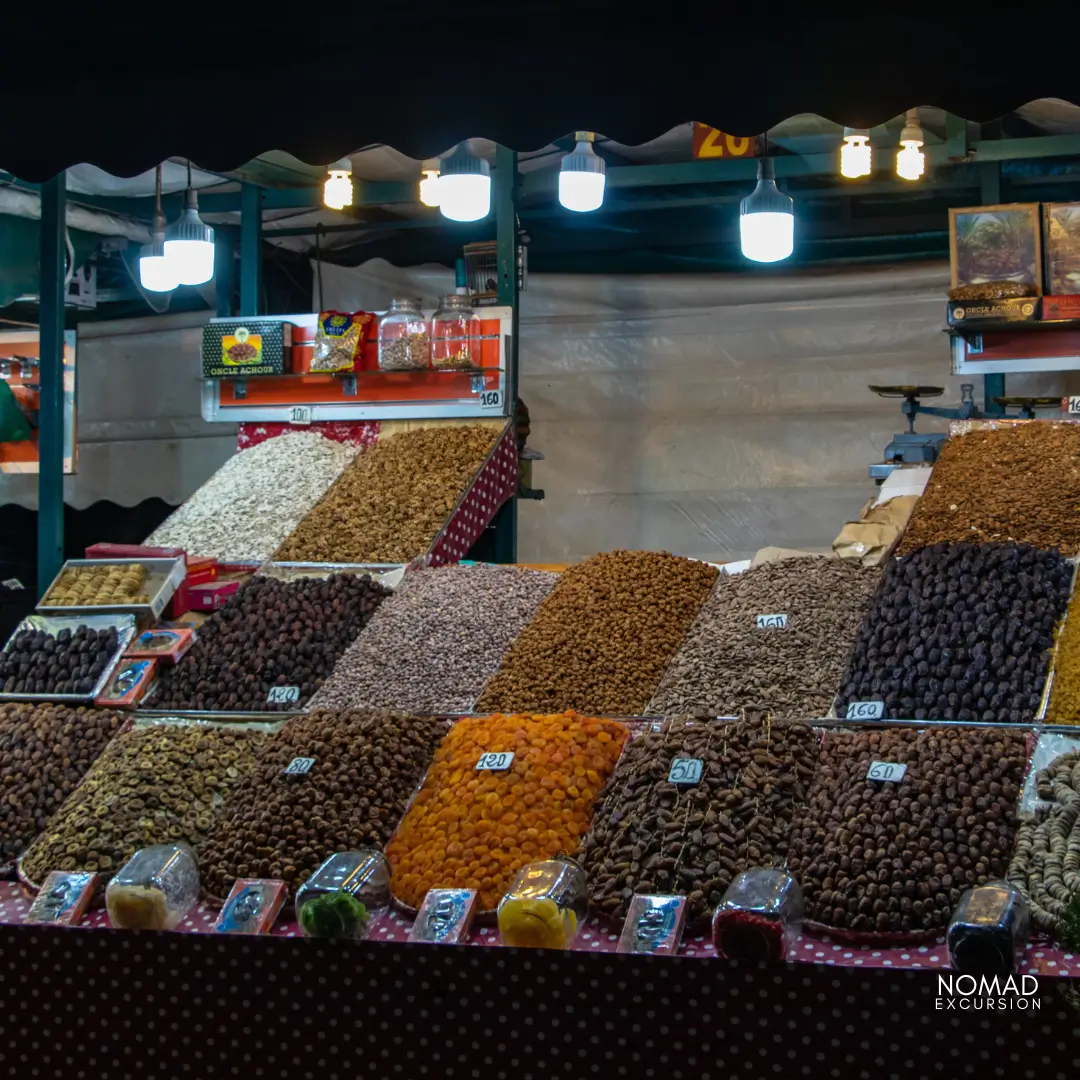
{"points": [[693, 804], [887, 859]]}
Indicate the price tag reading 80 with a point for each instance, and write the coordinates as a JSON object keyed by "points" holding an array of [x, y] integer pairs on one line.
{"points": [[865, 710], [886, 770], [685, 770], [499, 762], [299, 766]]}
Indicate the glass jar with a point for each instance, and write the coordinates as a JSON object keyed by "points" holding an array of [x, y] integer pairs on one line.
{"points": [[988, 930], [545, 906], [337, 900], [759, 915], [404, 344], [455, 334], [154, 889]]}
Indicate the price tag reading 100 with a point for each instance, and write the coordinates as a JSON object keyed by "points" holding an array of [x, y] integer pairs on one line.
{"points": [[496, 762], [685, 770]]}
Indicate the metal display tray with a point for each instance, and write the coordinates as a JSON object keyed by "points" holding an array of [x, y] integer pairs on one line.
{"points": [[53, 624], [164, 577], [388, 574]]}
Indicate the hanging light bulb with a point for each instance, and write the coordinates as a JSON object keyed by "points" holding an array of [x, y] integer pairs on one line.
{"points": [[189, 243], [911, 161], [855, 154], [767, 219], [581, 176], [156, 272], [429, 185], [465, 186], [338, 189]]}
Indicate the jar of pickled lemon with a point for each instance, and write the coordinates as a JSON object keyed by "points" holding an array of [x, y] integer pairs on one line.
{"points": [[545, 906]]}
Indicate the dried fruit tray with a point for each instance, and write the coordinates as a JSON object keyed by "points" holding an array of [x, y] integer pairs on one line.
{"points": [[163, 578], [53, 624], [388, 574]]}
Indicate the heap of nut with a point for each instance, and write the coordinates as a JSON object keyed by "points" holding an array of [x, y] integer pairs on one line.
{"points": [[326, 782], [893, 855], [37, 662], [152, 785], [44, 750], [272, 645], [692, 805], [110, 584]]}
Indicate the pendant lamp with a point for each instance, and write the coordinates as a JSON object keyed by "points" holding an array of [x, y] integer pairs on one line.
{"points": [[465, 186], [189, 242], [767, 219], [156, 273], [581, 176]]}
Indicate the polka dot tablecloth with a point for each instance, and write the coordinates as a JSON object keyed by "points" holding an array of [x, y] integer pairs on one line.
{"points": [[355, 432], [494, 484]]}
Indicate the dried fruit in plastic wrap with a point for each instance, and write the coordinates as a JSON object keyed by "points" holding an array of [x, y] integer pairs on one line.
{"points": [[154, 889], [474, 828], [989, 930], [759, 916], [339, 340], [545, 905]]}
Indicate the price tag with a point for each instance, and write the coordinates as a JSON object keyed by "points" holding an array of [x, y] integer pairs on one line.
{"points": [[496, 762], [283, 695], [12, 583], [299, 766], [886, 770], [491, 399], [684, 770], [771, 622], [1074, 404], [865, 710], [300, 414]]}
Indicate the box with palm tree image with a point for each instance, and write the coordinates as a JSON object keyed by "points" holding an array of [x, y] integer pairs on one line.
{"points": [[1061, 243]]}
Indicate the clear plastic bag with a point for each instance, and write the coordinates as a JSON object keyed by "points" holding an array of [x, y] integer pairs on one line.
{"points": [[545, 906], [337, 900], [759, 916], [154, 889], [989, 930]]}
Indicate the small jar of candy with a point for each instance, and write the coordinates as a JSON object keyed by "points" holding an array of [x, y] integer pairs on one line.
{"points": [[545, 906], [337, 900], [758, 916], [989, 930]]}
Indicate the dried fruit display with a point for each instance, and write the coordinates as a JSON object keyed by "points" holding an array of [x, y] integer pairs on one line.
{"points": [[691, 836], [152, 785], [256, 498], [601, 641], [391, 502], [1015, 483], [960, 632], [474, 828], [36, 662], [111, 584], [282, 825], [1046, 864], [791, 667], [433, 645], [45, 750], [893, 856], [1064, 704], [271, 635]]}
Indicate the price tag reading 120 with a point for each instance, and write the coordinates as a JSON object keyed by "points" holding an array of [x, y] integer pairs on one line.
{"points": [[499, 762], [865, 710], [684, 770], [886, 770], [283, 695]]}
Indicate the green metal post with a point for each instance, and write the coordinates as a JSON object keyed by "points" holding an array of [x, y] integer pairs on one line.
{"points": [[250, 249], [990, 190], [50, 553], [506, 244], [223, 272]]}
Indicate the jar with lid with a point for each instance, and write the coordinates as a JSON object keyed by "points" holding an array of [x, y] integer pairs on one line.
{"points": [[337, 900], [759, 915], [404, 344], [989, 930], [154, 889], [455, 334], [545, 905]]}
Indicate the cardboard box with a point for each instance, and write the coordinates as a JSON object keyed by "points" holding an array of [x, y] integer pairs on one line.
{"points": [[165, 645], [128, 685], [240, 347], [212, 596], [969, 312], [1060, 307]]}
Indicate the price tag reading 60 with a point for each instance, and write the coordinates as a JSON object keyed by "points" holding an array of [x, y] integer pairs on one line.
{"points": [[499, 762], [685, 770], [886, 770], [865, 710]]}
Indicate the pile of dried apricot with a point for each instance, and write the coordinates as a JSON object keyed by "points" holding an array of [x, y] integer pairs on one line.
{"points": [[474, 828]]}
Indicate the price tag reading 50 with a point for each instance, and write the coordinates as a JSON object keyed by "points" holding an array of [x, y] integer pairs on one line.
{"points": [[496, 762], [685, 770], [886, 770], [865, 710]]}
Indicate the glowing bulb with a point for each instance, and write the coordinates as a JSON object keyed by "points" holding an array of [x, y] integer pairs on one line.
{"points": [[581, 176], [189, 245], [429, 188], [911, 161], [338, 189], [156, 272], [767, 219], [855, 155], [465, 186]]}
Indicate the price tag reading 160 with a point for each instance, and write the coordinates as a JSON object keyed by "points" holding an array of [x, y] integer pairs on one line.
{"points": [[499, 762], [886, 770], [865, 710], [685, 770]]}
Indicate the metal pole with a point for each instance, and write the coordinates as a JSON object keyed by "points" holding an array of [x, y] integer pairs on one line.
{"points": [[223, 272], [506, 192], [50, 554], [250, 248], [993, 385]]}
